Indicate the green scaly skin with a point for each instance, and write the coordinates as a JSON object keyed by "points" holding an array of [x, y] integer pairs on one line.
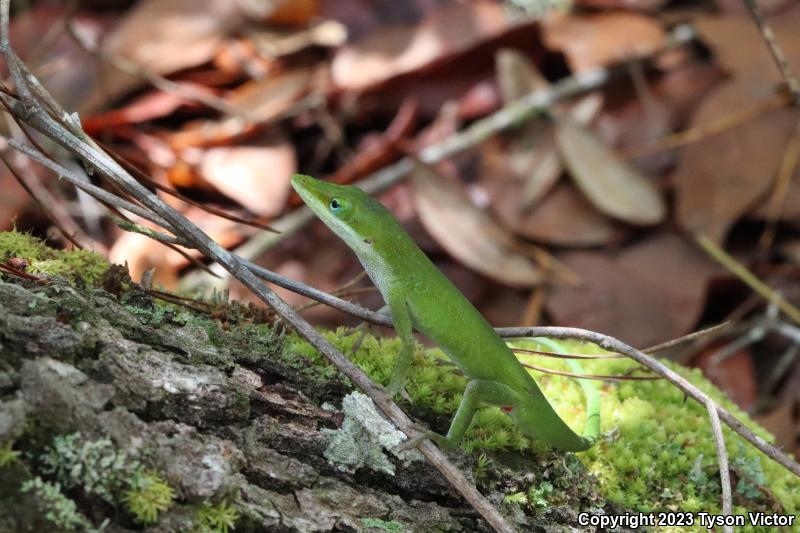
{"points": [[420, 297]]}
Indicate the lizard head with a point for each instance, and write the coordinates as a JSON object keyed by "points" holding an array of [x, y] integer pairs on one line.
{"points": [[348, 211]]}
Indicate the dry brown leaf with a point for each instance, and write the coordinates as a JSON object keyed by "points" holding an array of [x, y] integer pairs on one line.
{"points": [[164, 36], [592, 41], [58, 61], [260, 102], [721, 178], [255, 176], [647, 293], [400, 49], [294, 12], [468, 233], [791, 250], [150, 106], [14, 200], [630, 5], [532, 154], [610, 184], [781, 422], [264, 100], [563, 218], [516, 76]]}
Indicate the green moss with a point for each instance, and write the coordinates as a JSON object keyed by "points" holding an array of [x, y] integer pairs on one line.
{"points": [[147, 497], [72, 265], [656, 453], [8, 455], [219, 518]]}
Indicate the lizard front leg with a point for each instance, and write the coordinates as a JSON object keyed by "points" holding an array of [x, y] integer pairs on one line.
{"points": [[403, 327]]}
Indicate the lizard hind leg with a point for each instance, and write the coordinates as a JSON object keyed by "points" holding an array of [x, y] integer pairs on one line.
{"points": [[478, 392]]}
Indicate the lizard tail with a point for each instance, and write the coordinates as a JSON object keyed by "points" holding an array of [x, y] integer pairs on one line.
{"points": [[591, 390]]}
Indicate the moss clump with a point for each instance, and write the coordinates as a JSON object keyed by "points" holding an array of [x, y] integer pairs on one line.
{"points": [[8, 455], [656, 453], [147, 497], [73, 265], [219, 518]]}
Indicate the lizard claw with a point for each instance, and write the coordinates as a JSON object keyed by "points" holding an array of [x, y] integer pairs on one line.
{"points": [[396, 389], [424, 435]]}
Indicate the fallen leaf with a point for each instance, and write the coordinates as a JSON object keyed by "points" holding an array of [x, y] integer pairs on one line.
{"points": [[151, 106], [295, 13], [257, 177], [14, 200], [638, 117], [628, 5], [258, 101], [781, 422], [163, 36], [468, 233], [791, 250], [647, 293], [532, 154], [562, 218], [601, 39], [59, 62], [723, 177], [609, 183], [400, 49]]}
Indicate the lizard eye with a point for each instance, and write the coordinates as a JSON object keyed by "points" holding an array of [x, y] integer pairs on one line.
{"points": [[338, 206]]}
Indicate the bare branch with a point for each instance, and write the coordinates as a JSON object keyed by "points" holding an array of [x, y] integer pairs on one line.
{"points": [[777, 54], [722, 459]]}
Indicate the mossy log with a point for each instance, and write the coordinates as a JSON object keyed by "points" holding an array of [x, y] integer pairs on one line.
{"points": [[104, 380], [122, 412]]}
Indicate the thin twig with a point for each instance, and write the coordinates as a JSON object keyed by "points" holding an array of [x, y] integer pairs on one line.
{"points": [[719, 328], [598, 377], [555, 355], [777, 54], [42, 198], [741, 272], [130, 167], [777, 201], [722, 459], [709, 129]]}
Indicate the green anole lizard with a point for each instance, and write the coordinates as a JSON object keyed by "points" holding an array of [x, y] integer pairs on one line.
{"points": [[419, 296]]}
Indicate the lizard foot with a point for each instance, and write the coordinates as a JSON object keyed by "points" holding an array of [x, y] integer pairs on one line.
{"points": [[396, 389], [425, 434]]}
